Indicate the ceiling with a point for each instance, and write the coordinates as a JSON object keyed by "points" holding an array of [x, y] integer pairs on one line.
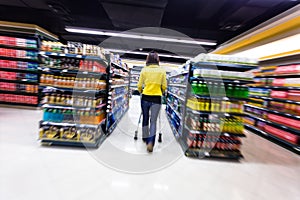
{"points": [[218, 20]]}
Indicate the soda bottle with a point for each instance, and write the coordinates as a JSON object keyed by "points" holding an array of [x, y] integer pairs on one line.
{"points": [[205, 89], [200, 88], [194, 87]]}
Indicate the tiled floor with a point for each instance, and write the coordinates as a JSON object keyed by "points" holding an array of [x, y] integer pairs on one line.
{"points": [[31, 171]]}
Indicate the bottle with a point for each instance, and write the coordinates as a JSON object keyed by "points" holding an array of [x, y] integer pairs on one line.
{"points": [[229, 90], [205, 89], [194, 87], [46, 114], [57, 99], [200, 87], [52, 99], [46, 99]]}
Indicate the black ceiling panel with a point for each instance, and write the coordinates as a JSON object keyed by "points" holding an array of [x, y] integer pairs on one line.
{"points": [[17, 3], [218, 20]]}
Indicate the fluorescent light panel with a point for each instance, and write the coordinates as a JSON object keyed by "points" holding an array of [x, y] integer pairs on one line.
{"points": [[144, 53], [135, 36]]}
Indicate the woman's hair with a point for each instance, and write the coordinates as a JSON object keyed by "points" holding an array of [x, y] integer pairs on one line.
{"points": [[152, 58]]}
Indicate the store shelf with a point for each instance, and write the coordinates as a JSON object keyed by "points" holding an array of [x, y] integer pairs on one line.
{"points": [[175, 111], [20, 81], [117, 86], [47, 70], [273, 137], [224, 66], [71, 124], [202, 153], [175, 132], [275, 99], [275, 125], [19, 70], [118, 66], [117, 75], [61, 142], [175, 95], [117, 97], [71, 107], [177, 85], [71, 55], [295, 75], [284, 114], [181, 74], [222, 79], [114, 125], [18, 92], [227, 134], [275, 87], [18, 104], [18, 59], [214, 113], [73, 90], [224, 98], [19, 47]]}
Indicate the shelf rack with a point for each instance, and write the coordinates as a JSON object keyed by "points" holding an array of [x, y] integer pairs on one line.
{"points": [[277, 140], [276, 112], [29, 59], [117, 106], [266, 100], [88, 135], [134, 74], [184, 79]]}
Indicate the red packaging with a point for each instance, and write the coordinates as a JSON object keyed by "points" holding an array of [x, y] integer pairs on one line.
{"points": [[288, 69], [294, 95], [284, 120], [2, 40], [279, 94], [278, 82], [283, 134]]}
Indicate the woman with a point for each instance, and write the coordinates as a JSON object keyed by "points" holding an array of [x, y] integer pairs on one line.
{"points": [[152, 84]]}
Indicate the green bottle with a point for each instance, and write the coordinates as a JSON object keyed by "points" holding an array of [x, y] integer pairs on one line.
{"points": [[237, 91], [194, 87], [229, 90], [205, 89], [200, 88]]}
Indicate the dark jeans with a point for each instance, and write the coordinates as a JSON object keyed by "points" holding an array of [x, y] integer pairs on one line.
{"points": [[150, 110]]}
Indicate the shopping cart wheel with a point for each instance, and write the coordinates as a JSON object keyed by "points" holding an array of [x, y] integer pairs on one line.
{"points": [[135, 135], [160, 137]]}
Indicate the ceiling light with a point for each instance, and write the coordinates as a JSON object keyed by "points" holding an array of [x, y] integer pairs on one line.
{"points": [[144, 53], [139, 36]]}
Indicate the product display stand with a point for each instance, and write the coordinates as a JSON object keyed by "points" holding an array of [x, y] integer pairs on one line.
{"points": [[74, 89], [19, 77], [205, 107], [118, 96], [274, 102]]}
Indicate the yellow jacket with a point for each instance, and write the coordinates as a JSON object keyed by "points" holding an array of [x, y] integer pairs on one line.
{"points": [[154, 80]]}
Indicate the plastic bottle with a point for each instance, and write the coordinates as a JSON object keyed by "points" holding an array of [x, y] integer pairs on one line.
{"points": [[194, 87]]}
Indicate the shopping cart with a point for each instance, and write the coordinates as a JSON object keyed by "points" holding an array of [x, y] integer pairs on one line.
{"points": [[159, 124]]}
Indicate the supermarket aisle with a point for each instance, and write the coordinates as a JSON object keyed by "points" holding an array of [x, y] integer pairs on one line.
{"points": [[132, 154], [30, 171]]}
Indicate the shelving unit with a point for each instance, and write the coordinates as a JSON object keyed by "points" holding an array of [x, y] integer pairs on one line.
{"points": [[134, 78], [273, 138], [212, 120], [274, 105], [74, 97], [118, 95], [19, 77]]}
